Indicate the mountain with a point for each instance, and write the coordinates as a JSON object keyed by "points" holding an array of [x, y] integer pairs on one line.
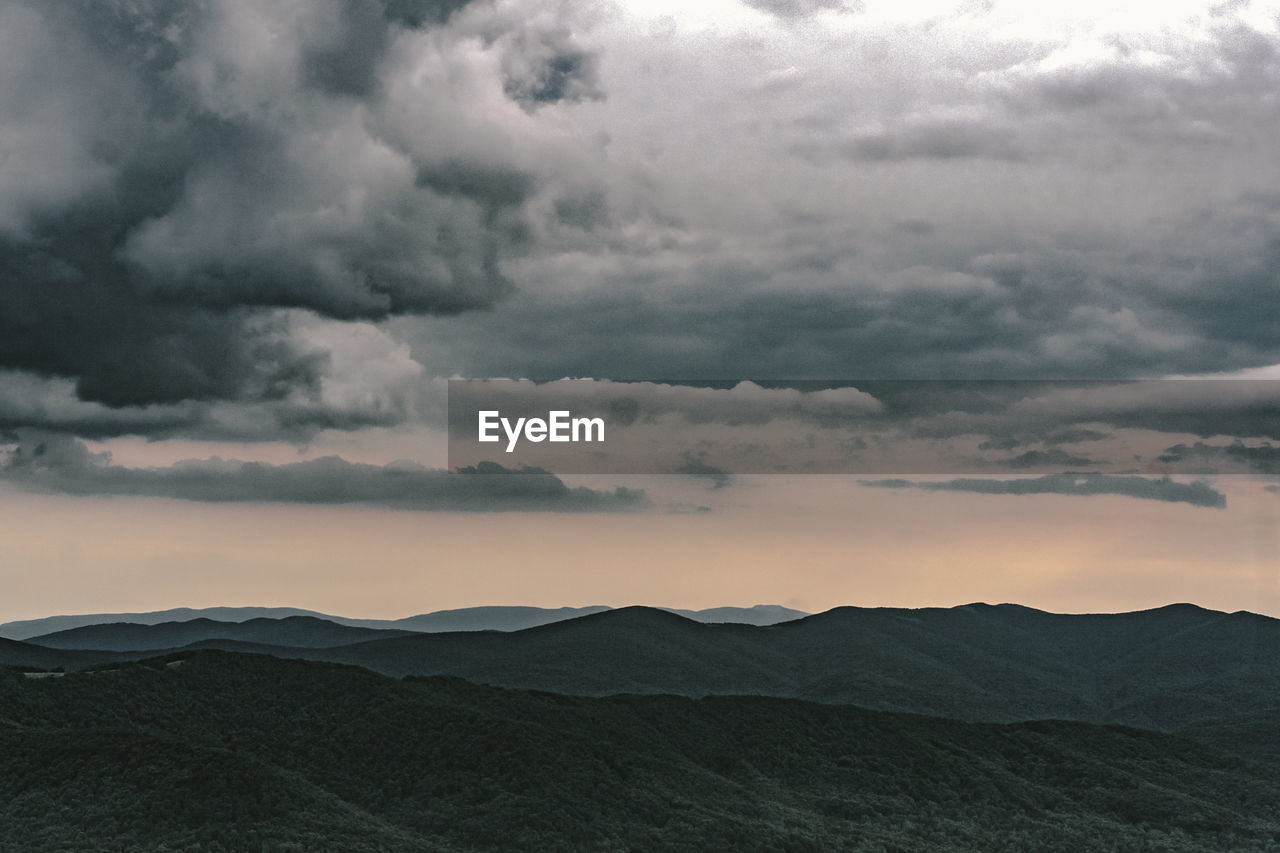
{"points": [[26, 628], [1181, 669], [27, 656], [462, 619], [293, 631], [491, 618], [1212, 675], [209, 750], [760, 614], [631, 650], [519, 618]]}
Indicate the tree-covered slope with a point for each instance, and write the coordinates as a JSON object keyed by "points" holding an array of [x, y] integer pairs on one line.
{"points": [[197, 748]]}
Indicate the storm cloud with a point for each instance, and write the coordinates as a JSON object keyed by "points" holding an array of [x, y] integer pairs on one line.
{"points": [[1090, 201], [228, 221], [1256, 459], [177, 171], [965, 195]]}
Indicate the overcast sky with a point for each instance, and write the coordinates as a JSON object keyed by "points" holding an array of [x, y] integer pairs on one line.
{"points": [[244, 244]]}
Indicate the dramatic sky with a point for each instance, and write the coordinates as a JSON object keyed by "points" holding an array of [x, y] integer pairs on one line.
{"points": [[243, 245]]}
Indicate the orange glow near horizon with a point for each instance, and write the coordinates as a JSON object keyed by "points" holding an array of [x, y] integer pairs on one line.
{"points": [[810, 543]]}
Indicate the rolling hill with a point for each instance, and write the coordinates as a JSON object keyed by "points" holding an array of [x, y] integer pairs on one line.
{"points": [[28, 656], [251, 752], [1210, 675]]}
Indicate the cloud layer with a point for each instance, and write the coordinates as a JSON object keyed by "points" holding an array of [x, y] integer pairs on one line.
{"points": [[63, 465], [223, 220], [1197, 493]]}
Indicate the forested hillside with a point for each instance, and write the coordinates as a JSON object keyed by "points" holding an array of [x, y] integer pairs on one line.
{"points": [[210, 750]]}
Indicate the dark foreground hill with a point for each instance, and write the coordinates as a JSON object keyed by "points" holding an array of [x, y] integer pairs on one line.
{"points": [[28, 656], [215, 751]]}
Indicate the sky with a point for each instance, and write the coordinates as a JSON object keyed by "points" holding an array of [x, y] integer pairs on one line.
{"points": [[244, 246]]}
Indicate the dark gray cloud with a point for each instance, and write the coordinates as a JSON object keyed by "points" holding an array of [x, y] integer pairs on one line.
{"points": [[1197, 493], [1042, 315], [180, 189], [798, 8], [1053, 414], [1066, 436], [361, 378], [26, 400], [1095, 204], [1054, 457], [63, 465], [1258, 459], [585, 210], [1015, 414], [1073, 436], [421, 13], [1245, 408], [179, 169], [552, 74], [1183, 98], [696, 465], [945, 141], [342, 59], [919, 227]]}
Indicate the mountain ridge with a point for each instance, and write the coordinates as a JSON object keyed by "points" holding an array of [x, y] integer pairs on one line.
{"points": [[483, 618], [299, 631], [1180, 668]]}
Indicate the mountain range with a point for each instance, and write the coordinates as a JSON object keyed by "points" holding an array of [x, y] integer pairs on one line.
{"points": [[207, 750], [462, 619], [292, 631], [1208, 675]]}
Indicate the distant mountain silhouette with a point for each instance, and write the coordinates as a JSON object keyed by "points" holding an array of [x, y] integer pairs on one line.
{"points": [[760, 614], [519, 618], [26, 628], [1210, 675], [207, 751], [491, 618], [462, 619], [294, 631]]}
